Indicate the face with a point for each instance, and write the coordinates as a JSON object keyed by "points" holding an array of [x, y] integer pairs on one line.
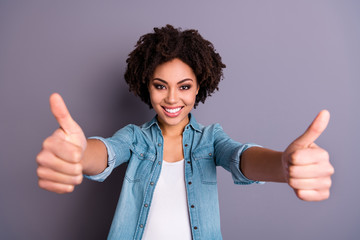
{"points": [[173, 91]]}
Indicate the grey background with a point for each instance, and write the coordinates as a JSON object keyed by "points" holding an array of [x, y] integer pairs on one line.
{"points": [[286, 60]]}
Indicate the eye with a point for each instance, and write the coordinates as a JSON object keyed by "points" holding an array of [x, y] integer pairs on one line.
{"points": [[159, 86], [185, 87]]}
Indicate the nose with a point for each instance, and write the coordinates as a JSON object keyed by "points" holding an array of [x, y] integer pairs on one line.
{"points": [[172, 96]]}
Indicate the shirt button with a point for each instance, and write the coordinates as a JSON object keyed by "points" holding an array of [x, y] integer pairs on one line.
{"points": [[195, 227], [146, 205], [141, 154], [152, 183], [141, 225], [188, 161], [159, 144], [159, 162], [192, 206], [210, 154], [186, 145], [189, 183]]}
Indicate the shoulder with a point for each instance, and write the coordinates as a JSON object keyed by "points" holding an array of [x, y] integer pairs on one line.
{"points": [[136, 138], [211, 129], [209, 135], [126, 133], [133, 130], [198, 127]]}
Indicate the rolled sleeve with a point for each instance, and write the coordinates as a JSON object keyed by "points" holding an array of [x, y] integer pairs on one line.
{"points": [[228, 154], [237, 175], [110, 162], [118, 149]]}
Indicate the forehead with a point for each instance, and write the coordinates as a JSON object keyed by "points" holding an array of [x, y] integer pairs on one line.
{"points": [[174, 70]]}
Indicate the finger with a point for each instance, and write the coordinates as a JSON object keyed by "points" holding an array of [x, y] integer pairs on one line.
{"points": [[62, 115], [307, 156], [310, 184], [310, 171], [313, 195], [314, 130], [50, 175], [55, 187], [49, 160], [63, 149]]}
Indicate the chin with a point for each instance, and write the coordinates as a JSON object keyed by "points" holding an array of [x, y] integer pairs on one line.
{"points": [[172, 121]]}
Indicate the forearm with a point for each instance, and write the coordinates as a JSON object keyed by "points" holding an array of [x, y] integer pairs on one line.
{"points": [[94, 160], [262, 164]]}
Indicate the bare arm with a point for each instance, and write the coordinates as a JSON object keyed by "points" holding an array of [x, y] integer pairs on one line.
{"points": [[303, 165], [262, 164], [94, 160]]}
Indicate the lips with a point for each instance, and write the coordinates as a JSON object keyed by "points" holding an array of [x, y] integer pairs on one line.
{"points": [[172, 112]]}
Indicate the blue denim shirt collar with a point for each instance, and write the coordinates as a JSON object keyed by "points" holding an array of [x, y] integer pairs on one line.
{"points": [[193, 123]]}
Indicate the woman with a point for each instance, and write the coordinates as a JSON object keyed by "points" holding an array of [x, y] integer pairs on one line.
{"points": [[170, 189]]}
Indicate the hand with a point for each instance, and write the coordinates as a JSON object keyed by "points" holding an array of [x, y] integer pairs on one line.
{"points": [[307, 165], [59, 168]]}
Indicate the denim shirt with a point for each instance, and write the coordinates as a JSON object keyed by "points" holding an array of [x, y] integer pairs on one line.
{"points": [[141, 147]]}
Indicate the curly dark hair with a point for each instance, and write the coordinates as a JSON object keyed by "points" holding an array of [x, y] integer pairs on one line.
{"points": [[165, 44]]}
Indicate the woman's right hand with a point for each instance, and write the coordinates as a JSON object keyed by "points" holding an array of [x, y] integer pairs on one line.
{"points": [[59, 161]]}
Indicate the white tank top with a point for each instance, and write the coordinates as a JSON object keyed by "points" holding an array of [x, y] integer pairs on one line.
{"points": [[168, 214]]}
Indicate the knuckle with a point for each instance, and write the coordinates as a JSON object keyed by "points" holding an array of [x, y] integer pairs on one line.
{"points": [[78, 179], [39, 172], [40, 158], [294, 157], [329, 170], [69, 188], [44, 144], [292, 171], [42, 184], [292, 182], [78, 169], [58, 132], [47, 142], [328, 183], [300, 194], [325, 195]]}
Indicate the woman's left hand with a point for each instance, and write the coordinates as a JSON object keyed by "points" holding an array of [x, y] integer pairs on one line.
{"points": [[306, 165]]}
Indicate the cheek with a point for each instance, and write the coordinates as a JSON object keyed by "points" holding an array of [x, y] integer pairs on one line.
{"points": [[190, 98], [155, 98]]}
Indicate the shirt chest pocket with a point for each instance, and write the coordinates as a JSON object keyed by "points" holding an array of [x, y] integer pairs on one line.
{"points": [[204, 160], [139, 165]]}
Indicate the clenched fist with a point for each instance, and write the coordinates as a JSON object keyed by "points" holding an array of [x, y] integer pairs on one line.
{"points": [[59, 161], [306, 165]]}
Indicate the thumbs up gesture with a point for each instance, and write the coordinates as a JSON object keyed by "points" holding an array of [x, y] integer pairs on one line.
{"points": [[59, 168], [307, 165]]}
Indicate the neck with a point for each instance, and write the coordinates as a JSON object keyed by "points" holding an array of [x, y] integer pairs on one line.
{"points": [[173, 130]]}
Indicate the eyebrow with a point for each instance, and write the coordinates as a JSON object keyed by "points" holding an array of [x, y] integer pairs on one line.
{"points": [[180, 82]]}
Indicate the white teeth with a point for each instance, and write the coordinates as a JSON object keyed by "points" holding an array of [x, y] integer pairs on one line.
{"points": [[174, 110]]}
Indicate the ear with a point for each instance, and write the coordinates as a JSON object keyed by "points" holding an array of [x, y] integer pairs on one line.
{"points": [[198, 88]]}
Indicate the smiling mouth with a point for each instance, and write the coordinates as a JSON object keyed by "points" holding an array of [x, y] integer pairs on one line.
{"points": [[172, 110]]}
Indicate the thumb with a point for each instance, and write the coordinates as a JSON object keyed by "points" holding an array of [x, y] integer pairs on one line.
{"points": [[62, 115], [314, 130]]}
